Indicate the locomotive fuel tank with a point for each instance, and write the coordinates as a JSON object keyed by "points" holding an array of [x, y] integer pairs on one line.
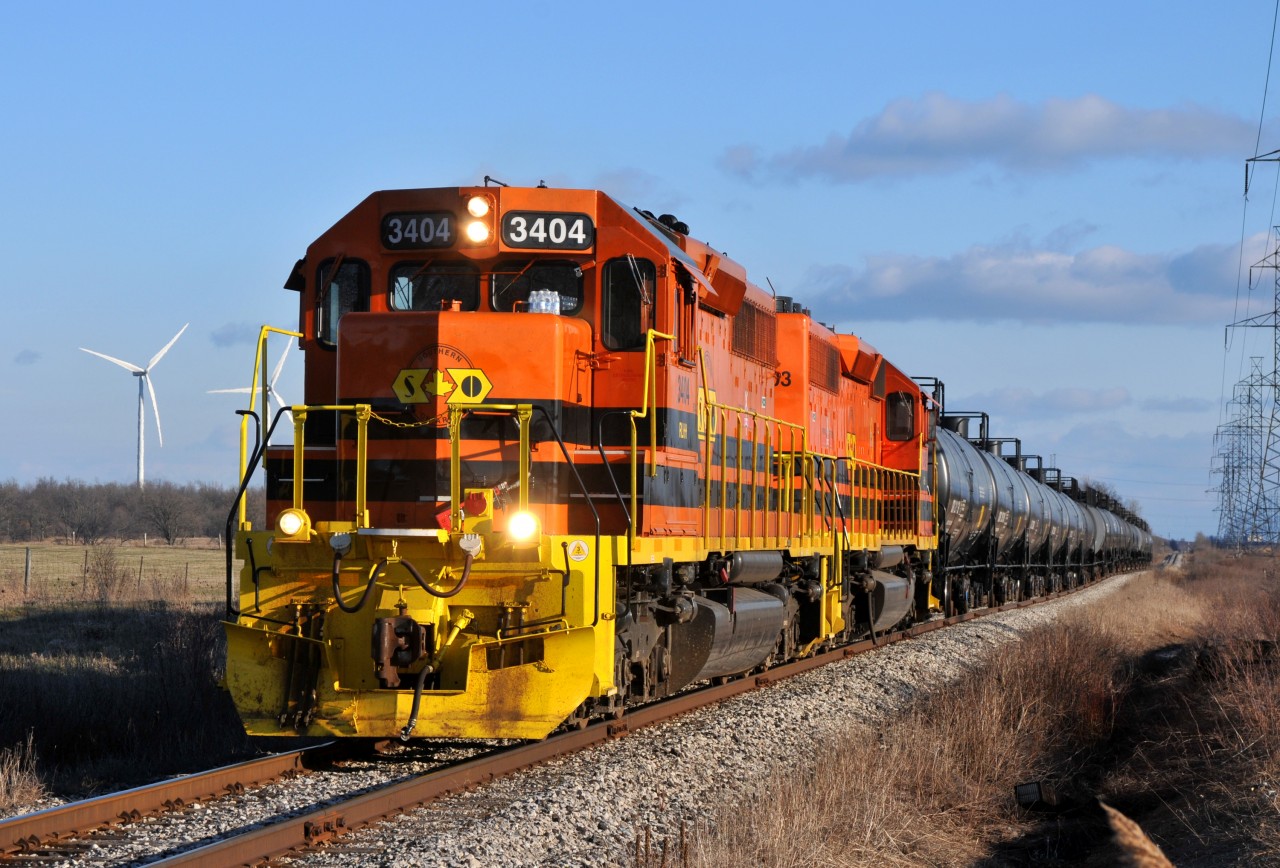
{"points": [[890, 599], [728, 638]]}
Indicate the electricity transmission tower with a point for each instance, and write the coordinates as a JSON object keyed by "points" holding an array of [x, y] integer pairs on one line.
{"points": [[1241, 444], [1249, 444]]}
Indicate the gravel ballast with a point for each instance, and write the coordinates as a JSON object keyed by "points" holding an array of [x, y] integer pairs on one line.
{"points": [[588, 809]]}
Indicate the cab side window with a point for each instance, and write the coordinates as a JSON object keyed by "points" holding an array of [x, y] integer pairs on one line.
{"points": [[343, 287], [627, 303], [900, 418]]}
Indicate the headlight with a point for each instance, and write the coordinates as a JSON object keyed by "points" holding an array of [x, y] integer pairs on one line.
{"points": [[294, 524], [477, 206], [477, 232], [522, 526]]}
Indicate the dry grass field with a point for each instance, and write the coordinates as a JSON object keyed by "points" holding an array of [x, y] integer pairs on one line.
{"points": [[1164, 704], [50, 572], [109, 660]]}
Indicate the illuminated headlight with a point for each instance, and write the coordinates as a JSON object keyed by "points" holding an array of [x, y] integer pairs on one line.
{"points": [[477, 206], [522, 527], [477, 232], [294, 524]]}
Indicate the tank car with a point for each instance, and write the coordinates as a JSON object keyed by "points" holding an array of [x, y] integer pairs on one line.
{"points": [[1010, 531], [557, 457]]}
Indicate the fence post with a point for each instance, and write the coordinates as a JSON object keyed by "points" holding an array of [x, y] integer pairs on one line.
{"points": [[26, 574], [140, 571], [85, 574], [186, 579]]}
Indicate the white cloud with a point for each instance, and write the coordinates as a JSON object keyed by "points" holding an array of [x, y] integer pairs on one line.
{"points": [[1022, 281], [1020, 402], [937, 133]]}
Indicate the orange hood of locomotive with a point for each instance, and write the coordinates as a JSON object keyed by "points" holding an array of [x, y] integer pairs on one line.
{"points": [[428, 362]]}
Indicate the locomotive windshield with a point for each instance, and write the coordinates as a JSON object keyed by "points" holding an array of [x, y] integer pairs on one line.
{"points": [[430, 285], [513, 280]]}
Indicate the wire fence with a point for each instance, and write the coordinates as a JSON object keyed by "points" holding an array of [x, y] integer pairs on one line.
{"points": [[53, 573]]}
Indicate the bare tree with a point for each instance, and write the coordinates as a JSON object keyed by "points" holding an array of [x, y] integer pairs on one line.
{"points": [[169, 510]]}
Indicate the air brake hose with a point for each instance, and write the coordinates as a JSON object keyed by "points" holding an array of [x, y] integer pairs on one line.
{"points": [[418, 685], [368, 588], [459, 624], [417, 577]]}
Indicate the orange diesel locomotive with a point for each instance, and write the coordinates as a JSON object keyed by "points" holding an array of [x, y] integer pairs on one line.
{"points": [[557, 457]]}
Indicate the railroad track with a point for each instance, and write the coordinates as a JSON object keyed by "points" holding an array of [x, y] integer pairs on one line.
{"points": [[59, 833], [61, 829]]}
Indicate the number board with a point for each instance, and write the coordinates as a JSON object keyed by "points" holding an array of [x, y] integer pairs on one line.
{"points": [[416, 230], [548, 230]]}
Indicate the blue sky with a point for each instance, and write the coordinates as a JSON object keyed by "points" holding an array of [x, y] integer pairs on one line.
{"points": [[1041, 205]]}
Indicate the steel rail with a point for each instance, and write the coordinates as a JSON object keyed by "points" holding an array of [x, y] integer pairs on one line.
{"points": [[306, 830], [53, 827]]}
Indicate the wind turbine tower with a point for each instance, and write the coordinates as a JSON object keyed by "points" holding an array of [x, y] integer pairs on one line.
{"points": [[144, 377]]}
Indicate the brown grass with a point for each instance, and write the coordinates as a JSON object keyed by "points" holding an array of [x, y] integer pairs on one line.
{"points": [[933, 784], [19, 782], [1189, 750], [1139, 850], [115, 694], [76, 573]]}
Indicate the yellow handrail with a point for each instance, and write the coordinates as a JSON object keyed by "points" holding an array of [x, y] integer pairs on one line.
{"points": [[523, 414], [363, 413], [259, 365], [651, 337]]}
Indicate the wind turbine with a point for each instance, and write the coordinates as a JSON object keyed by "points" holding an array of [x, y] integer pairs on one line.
{"points": [[144, 376], [270, 387]]}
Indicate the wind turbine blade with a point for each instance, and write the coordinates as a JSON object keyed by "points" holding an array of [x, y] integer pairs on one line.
{"points": [[155, 407], [126, 365], [275, 375], [243, 390], [165, 349]]}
